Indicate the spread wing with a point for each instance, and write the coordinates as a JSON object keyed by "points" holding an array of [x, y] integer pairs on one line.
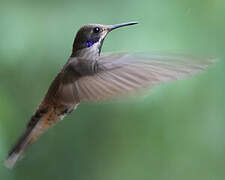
{"points": [[121, 74]]}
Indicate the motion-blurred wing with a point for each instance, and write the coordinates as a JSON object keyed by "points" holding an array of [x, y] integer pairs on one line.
{"points": [[120, 74]]}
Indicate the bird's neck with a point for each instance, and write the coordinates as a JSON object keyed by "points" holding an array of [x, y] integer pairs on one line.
{"points": [[87, 53]]}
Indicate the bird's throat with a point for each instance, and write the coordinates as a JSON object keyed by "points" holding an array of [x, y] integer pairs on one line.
{"points": [[91, 52]]}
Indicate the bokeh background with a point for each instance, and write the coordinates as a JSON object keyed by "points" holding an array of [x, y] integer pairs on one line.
{"points": [[175, 132]]}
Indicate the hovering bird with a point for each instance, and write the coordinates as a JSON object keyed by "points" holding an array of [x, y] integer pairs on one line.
{"points": [[90, 76]]}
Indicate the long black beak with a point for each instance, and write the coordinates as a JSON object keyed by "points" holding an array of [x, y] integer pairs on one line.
{"points": [[110, 28]]}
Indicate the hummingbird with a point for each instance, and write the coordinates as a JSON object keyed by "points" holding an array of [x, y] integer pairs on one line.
{"points": [[89, 75]]}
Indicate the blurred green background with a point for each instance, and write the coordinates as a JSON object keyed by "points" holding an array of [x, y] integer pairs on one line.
{"points": [[176, 132]]}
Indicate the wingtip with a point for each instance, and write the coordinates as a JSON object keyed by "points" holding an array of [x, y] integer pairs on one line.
{"points": [[214, 60], [211, 61]]}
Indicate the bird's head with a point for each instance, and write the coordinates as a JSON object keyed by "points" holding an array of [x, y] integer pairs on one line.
{"points": [[89, 39]]}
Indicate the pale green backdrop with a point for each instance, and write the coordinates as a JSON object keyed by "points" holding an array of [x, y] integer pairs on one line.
{"points": [[177, 132]]}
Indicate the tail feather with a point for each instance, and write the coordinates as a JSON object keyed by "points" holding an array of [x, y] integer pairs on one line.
{"points": [[33, 129], [12, 159], [18, 149], [43, 118]]}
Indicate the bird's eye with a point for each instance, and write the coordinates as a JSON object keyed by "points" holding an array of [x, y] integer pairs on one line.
{"points": [[96, 30]]}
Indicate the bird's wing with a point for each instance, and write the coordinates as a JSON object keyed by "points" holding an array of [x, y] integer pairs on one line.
{"points": [[121, 74]]}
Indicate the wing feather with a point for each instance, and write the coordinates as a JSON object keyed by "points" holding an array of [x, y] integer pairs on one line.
{"points": [[121, 74]]}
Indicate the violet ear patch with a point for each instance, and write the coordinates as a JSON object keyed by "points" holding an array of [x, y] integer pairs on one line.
{"points": [[89, 44]]}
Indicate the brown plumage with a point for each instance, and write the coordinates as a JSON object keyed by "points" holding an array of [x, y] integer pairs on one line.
{"points": [[87, 76]]}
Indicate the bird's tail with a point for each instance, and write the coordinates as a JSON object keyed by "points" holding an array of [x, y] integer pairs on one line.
{"points": [[18, 149], [41, 120]]}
